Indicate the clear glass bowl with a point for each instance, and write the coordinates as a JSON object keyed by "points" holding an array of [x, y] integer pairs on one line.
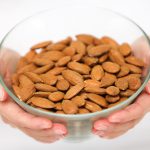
{"points": [[59, 23]]}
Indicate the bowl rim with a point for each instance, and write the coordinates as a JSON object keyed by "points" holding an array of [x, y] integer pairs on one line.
{"points": [[76, 116]]}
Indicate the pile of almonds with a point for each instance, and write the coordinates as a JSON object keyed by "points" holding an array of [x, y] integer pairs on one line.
{"points": [[77, 76]]}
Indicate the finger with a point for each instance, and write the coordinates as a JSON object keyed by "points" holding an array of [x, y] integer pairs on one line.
{"points": [[3, 94], [20, 118], [147, 88], [132, 112], [5, 120], [56, 130]]}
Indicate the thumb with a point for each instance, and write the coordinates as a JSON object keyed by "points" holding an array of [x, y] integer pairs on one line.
{"points": [[3, 94]]}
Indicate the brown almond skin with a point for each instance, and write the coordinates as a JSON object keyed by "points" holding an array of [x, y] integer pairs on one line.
{"points": [[69, 107], [79, 47], [135, 61], [69, 51], [55, 47], [79, 67], [112, 90], [108, 80], [90, 61], [56, 96], [90, 82], [15, 79], [116, 57], [95, 89], [92, 106], [125, 49], [109, 41], [111, 67], [49, 79], [121, 83], [85, 38], [63, 61], [45, 87], [97, 72], [34, 77], [58, 106], [83, 111], [21, 63], [42, 69], [62, 85], [78, 100], [42, 102], [134, 69], [98, 99], [77, 57], [27, 68], [42, 94], [124, 70], [74, 90], [42, 62], [98, 50], [134, 83], [72, 77], [52, 55], [127, 93], [41, 45], [30, 56], [66, 41], [112, 99], [103, 58], [56, 70], [23, 94]]}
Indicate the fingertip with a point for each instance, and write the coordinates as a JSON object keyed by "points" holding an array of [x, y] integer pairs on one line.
{"points": [[59, 128], [116, 117]]}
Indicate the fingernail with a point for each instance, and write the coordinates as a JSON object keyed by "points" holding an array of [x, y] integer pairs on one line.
{"points": [[115, 119], [1, 93], [60, 132], [102, 127]]}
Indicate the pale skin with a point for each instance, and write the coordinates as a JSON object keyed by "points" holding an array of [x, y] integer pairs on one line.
{"points": [[39, 128], [43, 130]]}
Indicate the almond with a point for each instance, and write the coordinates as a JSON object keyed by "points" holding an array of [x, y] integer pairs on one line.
{"points": [[92, 107], [125, 49], [41, 45], [97, 72], [63, 61], [78, 100], [112, 90], [45, 87], [62, 85], [56, 96], [49, 79], [111, 67]]}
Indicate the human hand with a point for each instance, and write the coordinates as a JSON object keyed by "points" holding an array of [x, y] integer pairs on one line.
{"points": [[120, 122], [39, 128]]}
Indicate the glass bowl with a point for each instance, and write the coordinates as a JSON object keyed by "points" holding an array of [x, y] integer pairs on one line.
{"points": [[56, 24]]}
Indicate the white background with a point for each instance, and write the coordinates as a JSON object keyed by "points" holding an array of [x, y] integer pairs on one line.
{"points": [[12, 11]]}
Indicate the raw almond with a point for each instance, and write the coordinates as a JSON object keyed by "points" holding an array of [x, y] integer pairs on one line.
{"points": [[122, 84], [42, 94], [134, 69], [45, 87], [77, 57], [56, 96], [78, 100], [41, 45], [72, 76], [63, 61], [134, 61], [127, 93], [49, 79], [69, 51], [90, 82], [55, 47], [98, 50], [103, 58], [62, 85], [90, 61], [112, 99], [79, 47], [92, 107], [79, 67], [69, 107], [42, 69], [112, 90], [98, 99], [85, 38], [58, 106], [83, 111], [73, 91], [125, 49], [124, 70], [42, 62], [56, 70], [134, 83], [95, 89], [42, 102], [97, 72], [111, 67]]}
